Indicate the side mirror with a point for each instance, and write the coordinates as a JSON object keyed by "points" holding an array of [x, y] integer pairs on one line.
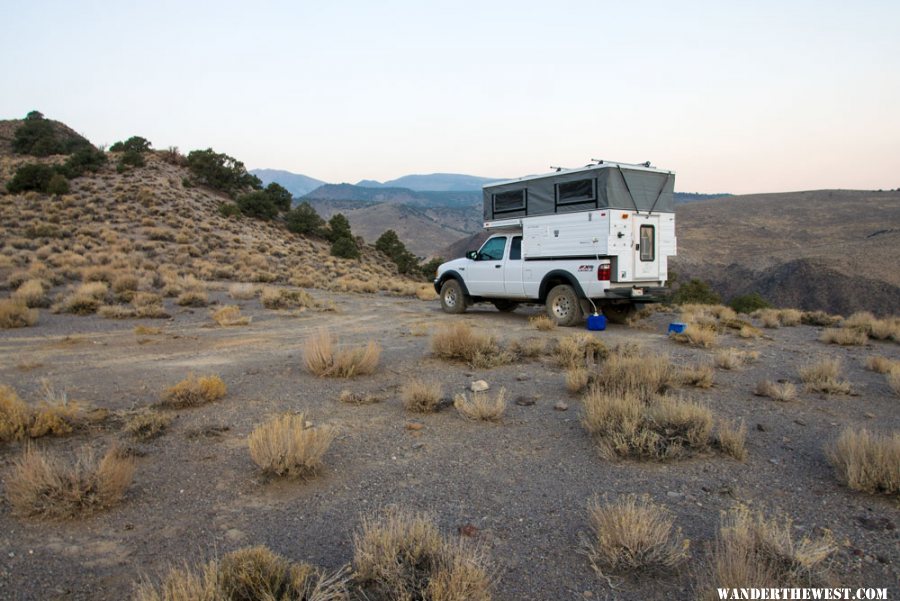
{"points": [[472, 255]]}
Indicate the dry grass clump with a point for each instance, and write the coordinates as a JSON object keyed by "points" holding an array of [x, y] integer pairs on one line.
{"points": [[696, 335], [528, 347], [732, 358], [324, 360], [358, 398], [194, 391], [843, 336], [421, 396], [866, 461], [633, 534], [879, 329], [643, 377], [542, 322], [893, 380], [732, 438], [577, 379], [147, 425], [425, 292], [783, 391], [824, 376], [401, 555], [43, 484], [242, 291], [768, 318], [15, 313], [32, 293], [148, 304], [85, 300], [55, 415], [459, 342], [820, 318], [230, 315], [282, 298], [662, 428], [192, 297], [699, 375], [790, 317], [286, 446], [580, 350], [752, 551], [249, 574], [481, 406], [881, 365]]}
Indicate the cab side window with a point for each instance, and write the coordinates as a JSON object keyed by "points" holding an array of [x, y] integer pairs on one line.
{"points": [[493, 249], [515, 249]]}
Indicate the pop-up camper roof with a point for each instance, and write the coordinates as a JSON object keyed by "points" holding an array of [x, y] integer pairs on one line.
{"points": [[604, 185]]}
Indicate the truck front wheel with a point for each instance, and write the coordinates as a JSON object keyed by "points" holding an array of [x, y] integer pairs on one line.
{"points": [[563, 306], [453, 300]]}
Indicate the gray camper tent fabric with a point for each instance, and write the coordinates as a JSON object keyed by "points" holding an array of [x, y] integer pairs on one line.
{"points": [[607, 186]]}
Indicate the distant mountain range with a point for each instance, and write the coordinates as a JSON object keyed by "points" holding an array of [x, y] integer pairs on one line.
{"points": [[434, 182], [295, 183]]}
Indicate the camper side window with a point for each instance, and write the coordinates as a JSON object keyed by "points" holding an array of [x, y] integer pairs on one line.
{"points": [[505, 202], [648, 243], [582, 190], [493, 249]]}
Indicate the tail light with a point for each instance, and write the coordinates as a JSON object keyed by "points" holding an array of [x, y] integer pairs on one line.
{"points": [[604, 271]]}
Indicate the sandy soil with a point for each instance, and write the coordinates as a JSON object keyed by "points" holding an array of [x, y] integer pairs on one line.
{"points": [[524, 483]]}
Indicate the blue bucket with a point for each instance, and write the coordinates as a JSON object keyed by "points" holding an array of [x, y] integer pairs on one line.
{"points": [[596, 322], [677, 327]]}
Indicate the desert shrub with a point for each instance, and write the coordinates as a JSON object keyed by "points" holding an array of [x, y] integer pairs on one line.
{"points": [[459, 342], [134, 144], [84, 300], [130, 158], [324, 360], [695, 335], [577, 379], [257, 204], [820, 318], [192, 297], [421, 396], [84, 160], [54, 415], [147, 425], [731, 438], [732, 358], [230, 315], [46, 485], [194, 391], [248, 574], [41, 138], [345, 248], [528, 347], [287, 446], [358, 398], [15, 313], [695, 291], [242, 291], [893, 380], [869, 325], [221, 172], [866, 461], [148, 304], [579, 350], [752, 551], [303, 219], [391, 245], [698, 375], [633, 534], [33, 176], [662, 428], [881, 365], [844, 336], [784, 391], [402, 555], [824, 376], [15, 415], [430, 267], [481, 405], [542, 322], [229, 209], [282, 298], [748, 303], [58, 184], [426, 292], [641, 376], [790, 317]]}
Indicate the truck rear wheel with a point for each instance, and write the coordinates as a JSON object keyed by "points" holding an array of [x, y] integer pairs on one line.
{"points": [[563, 306], [453, 299], [505, 306]]}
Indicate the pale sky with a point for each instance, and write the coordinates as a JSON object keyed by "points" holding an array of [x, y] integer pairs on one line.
{"points": [[735, 96]]}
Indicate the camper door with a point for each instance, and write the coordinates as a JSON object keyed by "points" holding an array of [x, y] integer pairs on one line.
{"points": [[645, 229]]}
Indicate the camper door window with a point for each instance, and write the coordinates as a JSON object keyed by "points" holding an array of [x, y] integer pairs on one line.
{"points": [[506, 202], [648, 248]]}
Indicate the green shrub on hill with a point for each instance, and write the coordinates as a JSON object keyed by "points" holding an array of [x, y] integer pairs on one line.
{"points": [[58, 184], [303, 219], [257, 204], [391, 245], [134, 143], [33, 176], [279, 196], [748, 303], [42, 138], [221, 172], [695, 291], [83, 160], [342, 243], [345, 248]]}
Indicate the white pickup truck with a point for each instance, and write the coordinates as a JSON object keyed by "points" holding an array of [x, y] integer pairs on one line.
{"points": [[577, 240]]}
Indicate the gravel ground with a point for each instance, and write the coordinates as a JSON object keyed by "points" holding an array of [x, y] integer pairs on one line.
{"points": [[523, 483]]}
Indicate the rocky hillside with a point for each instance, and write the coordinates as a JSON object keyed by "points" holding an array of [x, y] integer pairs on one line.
{"points": [[155, 229]]}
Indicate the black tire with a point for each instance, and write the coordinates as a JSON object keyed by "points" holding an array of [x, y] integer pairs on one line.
{"points": [[505, 306], [453, 299], [619, 313], [563, 306]]}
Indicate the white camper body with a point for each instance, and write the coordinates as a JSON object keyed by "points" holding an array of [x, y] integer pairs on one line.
{"points": [[577, 240]]}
